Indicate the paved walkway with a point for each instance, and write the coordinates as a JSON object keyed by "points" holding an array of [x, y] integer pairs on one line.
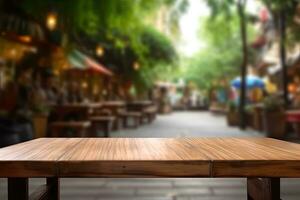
{"points": [[192, 124], [187, 124]]}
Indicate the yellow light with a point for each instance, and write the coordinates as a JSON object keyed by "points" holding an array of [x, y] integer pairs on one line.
{"points": [[136, 66], [51, 21], [13, 52], [25, 38], [56, 72], [99, 51], [84, 85]]}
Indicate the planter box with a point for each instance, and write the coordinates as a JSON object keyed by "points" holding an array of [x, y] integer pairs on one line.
{"points": [[258, 119], [233, 118], [296, 127], [274, 124], [250, 120], [40, 123], [165, 109]]}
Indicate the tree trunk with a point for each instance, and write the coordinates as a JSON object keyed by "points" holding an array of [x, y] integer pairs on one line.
{"points": [[282, 28], [243, 26]]}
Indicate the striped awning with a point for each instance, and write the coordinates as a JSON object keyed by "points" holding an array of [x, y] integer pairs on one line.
{"points": [[81, 61]]}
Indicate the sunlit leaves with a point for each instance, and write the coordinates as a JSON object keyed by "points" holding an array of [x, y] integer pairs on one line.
{"points": [[222, 55], [122, 26]]}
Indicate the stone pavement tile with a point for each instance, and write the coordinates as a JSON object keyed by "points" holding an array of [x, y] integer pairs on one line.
{"points": [[187, 124], [63, 197], [140, 183], [229, 191], [83, 181], [217, 182], [291, 191], [217, 198], [203, 191], [290, 197], [173, 192], [189, 182], [136, 198], [290, 182], [85, 191], [3, 188]]}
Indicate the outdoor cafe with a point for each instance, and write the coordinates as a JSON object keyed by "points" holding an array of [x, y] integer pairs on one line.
{"points": [[149, 100]]}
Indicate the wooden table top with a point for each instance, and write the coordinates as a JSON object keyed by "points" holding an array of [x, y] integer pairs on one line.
{"points": [[78, 105], [140, 103], [75, 124], [138, 157], [114, 103]]}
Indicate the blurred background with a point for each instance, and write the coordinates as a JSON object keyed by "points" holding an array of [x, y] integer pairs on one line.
{"points": [[141, 68]]}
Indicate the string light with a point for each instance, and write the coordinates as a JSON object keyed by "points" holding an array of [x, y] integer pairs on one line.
{"points": [[25, 38], [136, 66], [51, 21], [99, 51]]}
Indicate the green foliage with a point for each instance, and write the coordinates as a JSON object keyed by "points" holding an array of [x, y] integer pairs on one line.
{"points": [[273, 104], [232, 106], [221, 58], [159, 58], [249, 109], [159, 47], [122, 26], [276, 5], [221, 7]]}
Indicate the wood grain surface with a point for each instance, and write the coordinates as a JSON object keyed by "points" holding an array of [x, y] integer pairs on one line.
{"points": [[36, 158], [121, 157], [139, 157]]}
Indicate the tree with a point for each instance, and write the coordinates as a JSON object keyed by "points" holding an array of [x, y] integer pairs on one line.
{"points": [[121, 26], [241, 10], [283, 13], [221, 57], [226, 7]]}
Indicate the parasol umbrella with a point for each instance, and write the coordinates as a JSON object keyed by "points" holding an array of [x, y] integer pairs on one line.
{"points": [[81, 62], [251, 82]]}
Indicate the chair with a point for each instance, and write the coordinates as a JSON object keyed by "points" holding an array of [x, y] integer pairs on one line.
{"points": [[135, 116], [63, 128], [104, 123], [150, 113]]}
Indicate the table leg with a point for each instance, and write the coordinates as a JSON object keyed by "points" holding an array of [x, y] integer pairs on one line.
{"points": [[125, 122], [106, 129], [263, 188], [137, 122], [54, 184], [94, 130], [81, 132], [18, 189]]}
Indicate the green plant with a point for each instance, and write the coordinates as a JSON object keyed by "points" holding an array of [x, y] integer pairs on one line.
{"points": [[249, 109], [273, 104], [232, 107], [40, 109]]}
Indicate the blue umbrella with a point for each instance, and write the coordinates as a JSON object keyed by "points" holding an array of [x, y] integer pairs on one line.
{"points": [[251, 82]]}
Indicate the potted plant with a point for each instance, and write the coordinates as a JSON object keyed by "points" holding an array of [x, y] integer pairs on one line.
{"points": [[40, 120], [258, 117], [249, 109], [232, 114], [165, 105], [274, 117]]}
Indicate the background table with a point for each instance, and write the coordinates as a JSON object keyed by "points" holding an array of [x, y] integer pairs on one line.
{"points": [[120, 157], [80, 110], [139, 105], [115, 107]]}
